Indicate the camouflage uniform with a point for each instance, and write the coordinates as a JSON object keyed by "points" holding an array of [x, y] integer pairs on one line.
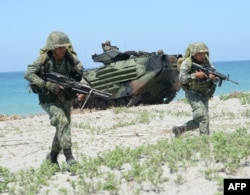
{"points": [[58, 106], [197, 91]]}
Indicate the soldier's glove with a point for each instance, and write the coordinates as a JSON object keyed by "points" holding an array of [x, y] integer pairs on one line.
{"points": [[52, 87]]}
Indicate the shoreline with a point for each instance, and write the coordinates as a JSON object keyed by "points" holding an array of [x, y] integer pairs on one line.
{"points": [[4, 117]]}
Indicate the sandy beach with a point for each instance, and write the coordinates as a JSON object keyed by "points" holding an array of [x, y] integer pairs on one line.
{"points": [[25, 141]]}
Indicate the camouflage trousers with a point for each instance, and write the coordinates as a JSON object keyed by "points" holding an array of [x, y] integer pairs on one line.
{"points": [[60, 117], [199, 104]]}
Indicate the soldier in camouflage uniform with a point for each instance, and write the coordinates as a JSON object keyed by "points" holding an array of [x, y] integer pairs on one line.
{"points": [[107, 46], [57, 56], [160, 52], [198, 87]]}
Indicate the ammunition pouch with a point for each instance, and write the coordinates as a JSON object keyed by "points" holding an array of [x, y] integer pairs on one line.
{"points": [[211, 90], [37, 90], [201, 85], [46, 98], [205, 86], [65, 95]]}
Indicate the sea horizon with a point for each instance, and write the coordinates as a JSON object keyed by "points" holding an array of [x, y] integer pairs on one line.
{"points": [[17, 99], [219, 61]]}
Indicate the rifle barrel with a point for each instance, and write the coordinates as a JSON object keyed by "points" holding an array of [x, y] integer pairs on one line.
{"points": [[233, 81]]}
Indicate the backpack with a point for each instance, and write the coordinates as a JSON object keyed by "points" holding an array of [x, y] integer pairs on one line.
{"points": [[187, 55]]}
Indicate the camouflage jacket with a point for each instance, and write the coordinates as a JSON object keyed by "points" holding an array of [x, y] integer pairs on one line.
{"points": [[70, 66], [187, 76]]}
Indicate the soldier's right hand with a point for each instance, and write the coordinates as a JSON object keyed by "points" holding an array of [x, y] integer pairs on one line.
{"points": [[200, 75], [52, 87]]}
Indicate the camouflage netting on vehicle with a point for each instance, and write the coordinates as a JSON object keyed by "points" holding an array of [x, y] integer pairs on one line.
{"points": [[133, 78]]}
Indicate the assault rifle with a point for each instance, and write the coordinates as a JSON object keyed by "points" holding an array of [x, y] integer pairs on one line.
{"points": [[217, 74], [66, 82]]}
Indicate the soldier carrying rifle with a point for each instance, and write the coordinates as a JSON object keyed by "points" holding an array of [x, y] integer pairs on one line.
{"points": [[198, 79], [57, 56]]}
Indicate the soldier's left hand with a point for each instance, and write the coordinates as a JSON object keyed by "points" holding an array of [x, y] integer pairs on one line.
{"points": [[212, 77], [80, 96]]}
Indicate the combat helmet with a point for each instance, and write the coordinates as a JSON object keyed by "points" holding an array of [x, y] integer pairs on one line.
{"points": [[198, 47], [160, 52], [107, 42], [57, 39]]}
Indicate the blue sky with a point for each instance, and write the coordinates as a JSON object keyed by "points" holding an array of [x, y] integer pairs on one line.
{"points": [[140, 25]]}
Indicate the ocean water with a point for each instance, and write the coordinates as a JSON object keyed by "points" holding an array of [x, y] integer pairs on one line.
{"points": [[15, 98]]}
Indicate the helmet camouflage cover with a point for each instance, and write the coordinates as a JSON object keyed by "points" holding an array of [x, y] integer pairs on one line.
{"points": [[160, 51], [198, 47], [57, 39]]}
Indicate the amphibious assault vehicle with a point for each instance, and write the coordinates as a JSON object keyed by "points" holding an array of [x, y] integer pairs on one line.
{"points": [[133, 78]]}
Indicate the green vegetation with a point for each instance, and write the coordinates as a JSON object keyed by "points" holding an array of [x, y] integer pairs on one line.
{"points": [[143, 164], [243, 97]]}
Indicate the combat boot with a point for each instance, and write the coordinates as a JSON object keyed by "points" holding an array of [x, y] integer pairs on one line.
{"points": [[178, 130], [69, 157], [52, 157]]}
